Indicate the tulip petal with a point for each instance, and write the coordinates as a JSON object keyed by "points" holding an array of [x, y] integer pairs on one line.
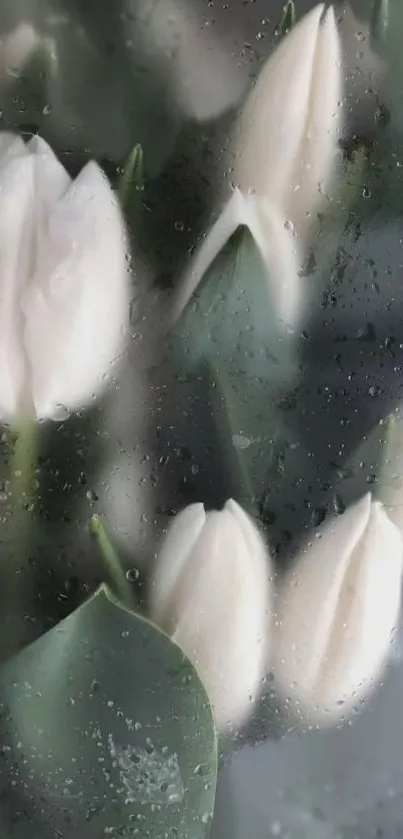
{"points": [[273, 121], [11, 146], [283, 262], [220, 612], [18, 47], [319, 147], [77, 305], [337, 611], [360, 642], [184, 532], [51, 178], [17, 211], [250, 534]]}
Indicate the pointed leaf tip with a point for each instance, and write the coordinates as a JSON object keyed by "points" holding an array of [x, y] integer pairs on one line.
{"points": [[288, 19], [132, 177]]}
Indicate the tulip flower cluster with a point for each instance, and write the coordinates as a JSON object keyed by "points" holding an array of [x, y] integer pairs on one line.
{"points": [[64, 285], [326, 632]]}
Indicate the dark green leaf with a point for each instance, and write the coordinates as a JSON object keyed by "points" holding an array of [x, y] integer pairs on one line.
{"points": [[232, 318], [230, 328], [287, 20], [115, 572], [132, 178], [105, 731]]}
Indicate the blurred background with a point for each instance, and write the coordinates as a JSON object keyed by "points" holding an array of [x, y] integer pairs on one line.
{"points": [[170, 74]]}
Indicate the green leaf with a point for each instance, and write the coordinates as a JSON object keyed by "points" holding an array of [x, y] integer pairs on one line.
{"points": [[106, 730], [230, 329], [232, 319], [132, 177], [114, 568], [288, 19]]}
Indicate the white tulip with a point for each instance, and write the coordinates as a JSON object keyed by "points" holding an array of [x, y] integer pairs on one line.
{"points": [[277, 247], [64, 283], [286, 139], [17, 48], [211, 591], [337, 612], [204, 77]]}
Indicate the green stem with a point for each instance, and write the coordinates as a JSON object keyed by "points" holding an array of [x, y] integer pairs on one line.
{"points": [[244, 484], [17, 600], [23, 467], [111, 559]]}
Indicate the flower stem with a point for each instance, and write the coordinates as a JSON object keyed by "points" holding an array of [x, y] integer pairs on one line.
{"points": [[225, 410], [23, 468], [110, 557], [17, 601]]}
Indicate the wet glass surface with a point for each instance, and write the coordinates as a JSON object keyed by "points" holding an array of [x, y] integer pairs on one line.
{"points": [[263, 366]]}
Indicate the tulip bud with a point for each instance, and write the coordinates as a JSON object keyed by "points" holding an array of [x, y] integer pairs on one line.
{"points": [[286, 139], [338, 608], [63, 279], [17, 48], [211, 592]]}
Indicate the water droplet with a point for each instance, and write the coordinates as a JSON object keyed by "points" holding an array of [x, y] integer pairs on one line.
{"points": [[338, 505], [92, 496], [201, 769]]}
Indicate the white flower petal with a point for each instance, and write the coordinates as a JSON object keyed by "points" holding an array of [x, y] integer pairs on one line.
{"points": [[17, 212], [51, 178], [250, 532], [274, 119], [337, 611], [180, 541], [77, 305], [216, 581], [19, 46], [280, 251], [11, 146], [317, 156], [222, 618], [205, 79]]}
